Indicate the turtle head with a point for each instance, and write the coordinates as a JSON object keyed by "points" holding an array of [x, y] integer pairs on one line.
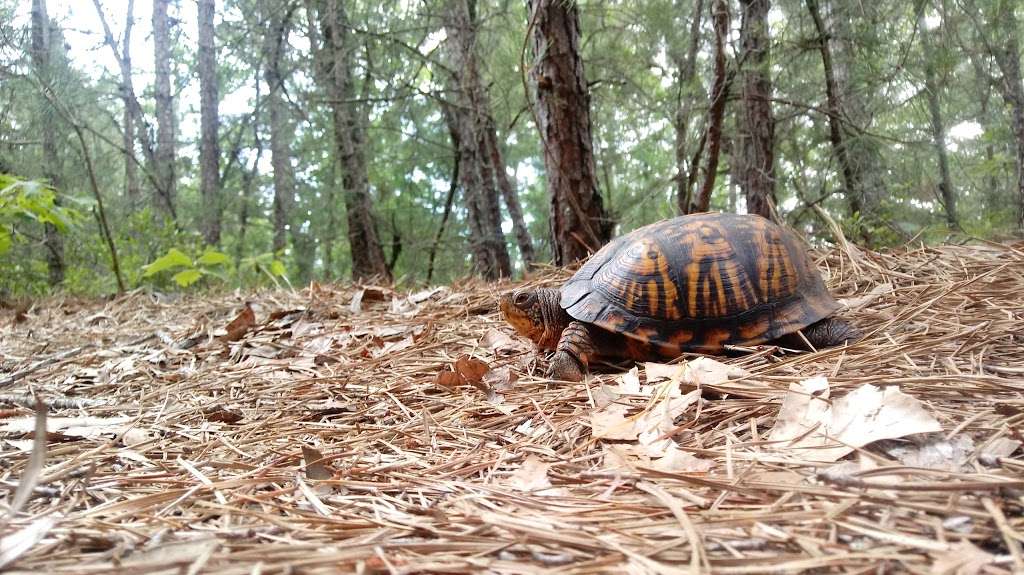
{"points": [[535, 314]]}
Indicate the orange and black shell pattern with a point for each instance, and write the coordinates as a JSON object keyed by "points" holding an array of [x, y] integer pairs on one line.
{"points": [[698, 283]]}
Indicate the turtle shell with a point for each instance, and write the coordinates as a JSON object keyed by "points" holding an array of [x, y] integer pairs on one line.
{"points": [[697, 283]]}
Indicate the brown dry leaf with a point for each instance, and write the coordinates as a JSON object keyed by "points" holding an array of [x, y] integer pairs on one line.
{"points": [[447, 379], [243, 322], [1002, 447], [657, 424], [220, 414], [532, 475], [865, 415], [629, 382], [471, 370], [314, 465], [356, 305]]}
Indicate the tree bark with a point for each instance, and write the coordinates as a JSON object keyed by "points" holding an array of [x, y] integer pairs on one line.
{"points": [[164, 151], [209, 148], [1007, 55], [716, 111], [757, 126], [938, 129], [579, 223], [477, 168], [511, 197], [851, 177], [42, 62], [685, 96], [274, 43], [338, 60]]}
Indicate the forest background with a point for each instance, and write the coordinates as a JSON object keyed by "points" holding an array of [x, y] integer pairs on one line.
{"points": [[241, 142]]}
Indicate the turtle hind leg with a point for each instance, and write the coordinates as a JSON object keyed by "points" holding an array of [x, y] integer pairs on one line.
{"points": [[831, 332]]}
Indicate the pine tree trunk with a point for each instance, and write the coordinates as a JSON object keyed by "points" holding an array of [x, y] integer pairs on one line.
{"points": [[164, 152], [686, 95], [851, 177], [716, 111], [275, 42], [209, 148], [477, 168], [757, 122], [42, 52], [349, 121], [579, 224], [511, 197], [938, 129], [1007, 56]]}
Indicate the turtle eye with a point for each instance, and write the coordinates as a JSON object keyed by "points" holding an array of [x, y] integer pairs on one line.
{"points": [[521, 298]]}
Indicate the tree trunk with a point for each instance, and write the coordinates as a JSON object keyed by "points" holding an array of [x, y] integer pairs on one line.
{"points": [[931, 89], [477, 170], [756, 144], [274, 44], [686, 91], [164, 151], [716, 111], [579, 224], [511, 197], [209, 148], [42, 61], [1007, 56], [349, 120]]}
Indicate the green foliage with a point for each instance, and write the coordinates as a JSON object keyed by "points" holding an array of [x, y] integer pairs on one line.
{"points": [[27, 201], [215, 265]]}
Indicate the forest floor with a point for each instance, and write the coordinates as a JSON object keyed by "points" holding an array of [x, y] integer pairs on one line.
{"points": [[358, 429]]}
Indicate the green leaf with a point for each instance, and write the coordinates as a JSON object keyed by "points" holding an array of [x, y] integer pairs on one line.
{"points": [[186, 278], [213, 258], [277, 268], [5, 241], [174, 259]]}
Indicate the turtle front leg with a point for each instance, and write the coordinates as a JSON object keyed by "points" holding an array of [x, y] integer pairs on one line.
{"points": [[572, 356]]}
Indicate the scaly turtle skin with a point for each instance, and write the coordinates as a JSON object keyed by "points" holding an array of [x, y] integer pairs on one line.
{"points": [[692, 283]]}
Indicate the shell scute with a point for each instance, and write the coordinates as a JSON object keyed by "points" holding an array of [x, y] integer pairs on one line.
{"points": [[700, 282]]}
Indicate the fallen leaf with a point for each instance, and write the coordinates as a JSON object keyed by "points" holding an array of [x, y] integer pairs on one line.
{"points": [[1001, 447], [676, 460], [86, 427], [315, 467], [356, 305], [700, 371], [424, 295], [531, 475], [610, 422], [394, 347], [241, 325], [219, 414], [14, 544], [500, 379], [963, 558], [857, 302], [470, 369], [934, 451], [863, 416], [448, 379], [497, 340], [629, 382]]}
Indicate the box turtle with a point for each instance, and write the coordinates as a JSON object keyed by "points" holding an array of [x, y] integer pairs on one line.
{"points": [[692, 283]]}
